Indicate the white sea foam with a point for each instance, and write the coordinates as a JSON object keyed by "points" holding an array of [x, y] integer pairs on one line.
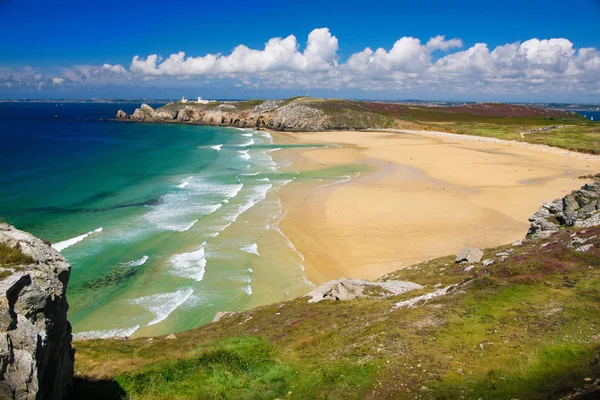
{"points": [[248, 143], [248, 289], [263, 179], [105, 334], [179, 211], [190, 265], [252, 249], [217, 147], [60, 246], [243, 154], [183, 184], [135, 263], [273, 150], [257, 194], [247, 134], [163, 304], [250, 174]]}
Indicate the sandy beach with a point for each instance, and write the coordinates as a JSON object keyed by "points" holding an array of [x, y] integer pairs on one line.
{"points": [[430, 194]]}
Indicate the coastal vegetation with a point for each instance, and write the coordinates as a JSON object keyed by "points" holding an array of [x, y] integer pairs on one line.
{"points": [[525, 326], [553, 127]]}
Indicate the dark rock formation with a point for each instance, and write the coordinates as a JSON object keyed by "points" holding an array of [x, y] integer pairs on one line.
{"points": [[580, 208], [36, 358]]}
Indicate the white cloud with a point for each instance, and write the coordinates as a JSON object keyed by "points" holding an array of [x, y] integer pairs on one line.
{"points": [[436, 65], [279, 54], [440, 43]]}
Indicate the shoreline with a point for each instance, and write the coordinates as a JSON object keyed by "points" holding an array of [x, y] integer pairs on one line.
{"points": [[429, 196]]}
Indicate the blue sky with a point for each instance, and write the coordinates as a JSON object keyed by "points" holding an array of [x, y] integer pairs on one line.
{"points": [[61, 49]]}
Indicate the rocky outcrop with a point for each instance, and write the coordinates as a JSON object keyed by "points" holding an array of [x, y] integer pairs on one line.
{"points": [[469, 255], [36, 358], [351, 289], [580, 208], [297, 115]]}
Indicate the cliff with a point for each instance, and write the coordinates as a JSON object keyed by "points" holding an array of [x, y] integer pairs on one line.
{"points": [[36, 358], [298, 114]]}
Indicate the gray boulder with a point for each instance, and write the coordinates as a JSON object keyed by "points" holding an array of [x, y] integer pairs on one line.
{"points": [[36, 358], [470, 255], [351, 289]]}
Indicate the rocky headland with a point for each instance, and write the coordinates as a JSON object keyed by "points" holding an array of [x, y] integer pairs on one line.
{"points": [[298, 115]]}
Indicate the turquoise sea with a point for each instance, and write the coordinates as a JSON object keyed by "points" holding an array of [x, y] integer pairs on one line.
{"points": [[164, 225]]}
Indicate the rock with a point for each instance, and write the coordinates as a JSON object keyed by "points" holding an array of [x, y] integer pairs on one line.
{"points": [[36, 358], [121, 114], [144, 113], [350, 289], [299, 115], [585, 248], [469, 268], [171, 337], [469, 255], [580, 208], [487, 262], [221, 314]]}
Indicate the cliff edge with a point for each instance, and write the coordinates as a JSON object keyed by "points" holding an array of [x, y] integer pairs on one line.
{"points": [[36, 357]]}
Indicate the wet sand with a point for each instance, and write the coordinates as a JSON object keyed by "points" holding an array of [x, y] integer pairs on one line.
{"points": [[430, 195]]}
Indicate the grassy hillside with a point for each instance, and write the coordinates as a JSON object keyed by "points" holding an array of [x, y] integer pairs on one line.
{"points": [[526, 327]]}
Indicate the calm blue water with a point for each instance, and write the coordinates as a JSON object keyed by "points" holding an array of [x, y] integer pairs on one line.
{"points": [[590, 114], [164, 225]]}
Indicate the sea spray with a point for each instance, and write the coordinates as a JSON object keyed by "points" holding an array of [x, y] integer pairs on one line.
{"points": [[60, 246]]}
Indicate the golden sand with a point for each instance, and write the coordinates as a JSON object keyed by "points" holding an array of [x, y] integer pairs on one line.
{"points": [[431, 196]]}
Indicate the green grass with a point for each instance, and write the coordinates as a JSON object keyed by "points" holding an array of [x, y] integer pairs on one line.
{"points": [[12, 258], [524, 327]]}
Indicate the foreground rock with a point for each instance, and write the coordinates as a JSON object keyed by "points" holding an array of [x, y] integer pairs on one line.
{"points": [[36, 358], [350, 289], [580, 208], [469, 255]]}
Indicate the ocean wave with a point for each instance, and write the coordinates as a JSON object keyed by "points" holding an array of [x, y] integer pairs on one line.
{"points": [[258, 193], [263, 179], [252, 249], [248, 143], [163, 304], [243, 154], [60, 246], [135, 263], [183, 184], [180, 210], [217, 147], [248, 289], [105, 334], [247, 134], [190, 265]]}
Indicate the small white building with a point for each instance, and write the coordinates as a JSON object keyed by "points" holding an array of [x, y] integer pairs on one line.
{"points": [[202, 101], [183, 99]]}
